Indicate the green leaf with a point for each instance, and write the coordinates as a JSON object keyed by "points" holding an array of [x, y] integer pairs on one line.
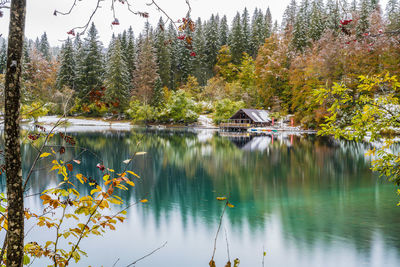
{"points": [[26, 260]]}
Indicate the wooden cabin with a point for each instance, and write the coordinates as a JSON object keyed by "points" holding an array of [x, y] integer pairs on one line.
{"points": [[244, 119]]}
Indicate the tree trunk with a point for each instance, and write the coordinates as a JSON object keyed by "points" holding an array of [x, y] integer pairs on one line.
{"points": [[15, 244]]}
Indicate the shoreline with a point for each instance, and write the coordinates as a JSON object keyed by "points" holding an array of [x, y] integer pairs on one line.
{"points": [[79, 124]]}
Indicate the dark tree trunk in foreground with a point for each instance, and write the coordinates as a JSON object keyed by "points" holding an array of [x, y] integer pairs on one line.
{"points": [[15, 244]]}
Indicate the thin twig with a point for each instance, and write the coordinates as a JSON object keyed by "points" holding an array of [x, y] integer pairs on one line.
{"points": [[58, 235], [227, 245], [263, 257], [115, 263], [147, 255], [219, 227], [66, 13]]}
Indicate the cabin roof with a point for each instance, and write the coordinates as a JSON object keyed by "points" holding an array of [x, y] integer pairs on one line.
{"points": [[256, 115]]}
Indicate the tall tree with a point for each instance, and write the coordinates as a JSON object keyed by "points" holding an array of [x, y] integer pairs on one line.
{"points": [[163, 54], [91, 67], [301, 28], [236, 42], [66, 73], [267, 23], [317, 20], [223, 31], [363, 22], [289, 17], [333, 15], [199, 61], [393, 14], [212, 44], [13, 169], [173, 49], [44, 47], [130, 53], [246, 31], [257, 31], [117, 80], [146, 72]]}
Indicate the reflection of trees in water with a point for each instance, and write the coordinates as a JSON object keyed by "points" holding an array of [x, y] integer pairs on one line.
{"points": [[315, 184]]}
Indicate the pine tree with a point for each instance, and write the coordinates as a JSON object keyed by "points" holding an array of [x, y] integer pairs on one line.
{"points": [[246, 31], [146, 72], [236, 42], [66, 72], [184, 60], [223, 31], [212, 44], [90, 67], [124, 42], [373, 5], [111, 46], [257, 31], [44, 47], [199, 45], [353, 6], [3, 57], [117, 81], [363, 22], [158, 96], [173, 49], [37, 44], [130, 53], [317, 23], [333, 15], [289, 17], [267, 23], [393, 14], [300, 31], [163, 54]]}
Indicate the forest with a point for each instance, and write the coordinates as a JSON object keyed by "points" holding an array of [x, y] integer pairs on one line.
{"points": [[168, 74]]}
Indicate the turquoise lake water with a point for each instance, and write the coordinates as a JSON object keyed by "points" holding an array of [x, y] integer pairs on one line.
{"points": [[308, 201]]}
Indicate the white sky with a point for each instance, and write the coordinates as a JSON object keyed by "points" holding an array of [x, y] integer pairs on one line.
{"points": [[40, 15]]}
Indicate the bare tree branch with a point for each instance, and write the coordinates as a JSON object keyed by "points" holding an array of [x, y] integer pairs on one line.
{"points": [[147, 255]]}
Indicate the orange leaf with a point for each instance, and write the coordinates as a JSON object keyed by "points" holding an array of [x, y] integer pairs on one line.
{"points": [[144, 201]]}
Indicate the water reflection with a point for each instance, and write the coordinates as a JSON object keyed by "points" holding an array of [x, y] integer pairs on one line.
{"points": [[308, 199]]}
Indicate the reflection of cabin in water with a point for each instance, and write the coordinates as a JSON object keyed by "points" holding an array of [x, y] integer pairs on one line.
{"points": [[247, 118]]}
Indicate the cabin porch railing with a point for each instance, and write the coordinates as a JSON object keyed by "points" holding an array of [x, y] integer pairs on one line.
{"points": [[234, 125]]}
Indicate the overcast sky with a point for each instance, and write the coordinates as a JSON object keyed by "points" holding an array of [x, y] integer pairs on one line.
{"points": [[40, 15]]}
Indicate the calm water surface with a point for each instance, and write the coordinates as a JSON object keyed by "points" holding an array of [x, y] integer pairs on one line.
{"points": [[308, 201]]}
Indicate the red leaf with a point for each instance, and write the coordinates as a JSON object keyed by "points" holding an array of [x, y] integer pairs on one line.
{"points": [[70, 167]]}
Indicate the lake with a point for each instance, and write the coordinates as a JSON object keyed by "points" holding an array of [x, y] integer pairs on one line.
{"points": [[305, 200]]}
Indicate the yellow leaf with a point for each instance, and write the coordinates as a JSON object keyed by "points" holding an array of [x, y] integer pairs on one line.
{"points": [[221, 198], [111, 170], [230, 205], [106, 177], [55, 167], [131, 172], [130, 183], [97, 189], [45, 154], [144, 201], [79, 177]]}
